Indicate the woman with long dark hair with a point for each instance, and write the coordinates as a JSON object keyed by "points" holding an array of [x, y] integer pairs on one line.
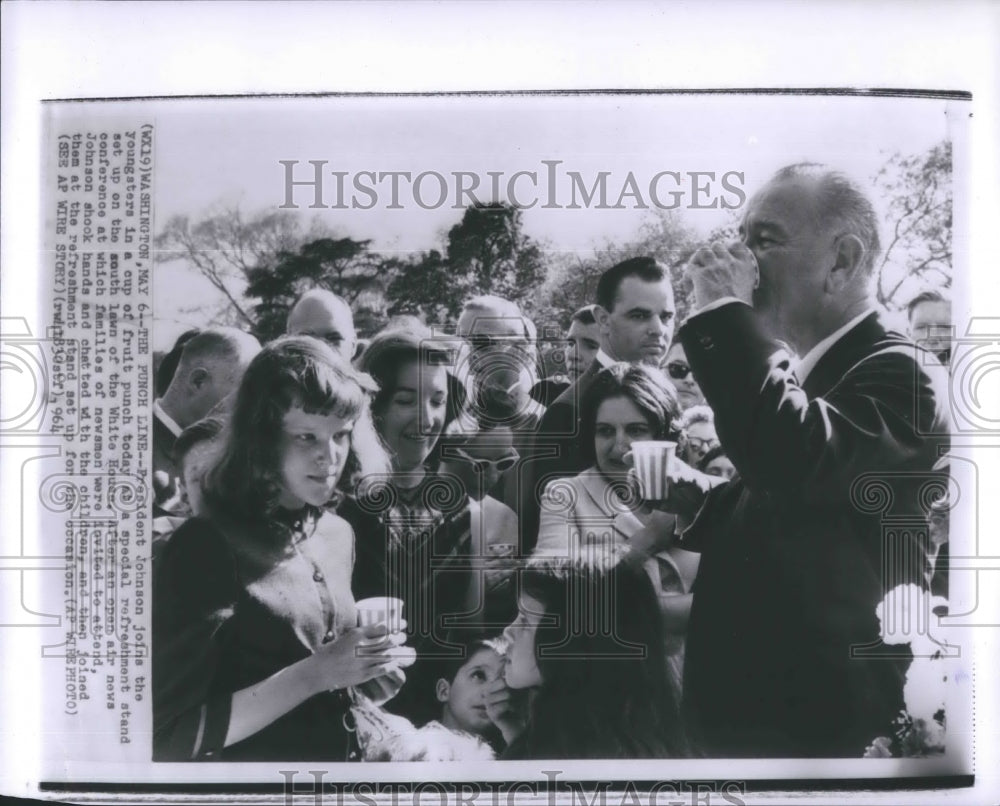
{"points": [[587, 648], [254, 633]]}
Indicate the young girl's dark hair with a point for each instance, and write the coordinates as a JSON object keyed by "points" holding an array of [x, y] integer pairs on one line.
{"points": [[647, 387], [605, 689], [291, 371]]}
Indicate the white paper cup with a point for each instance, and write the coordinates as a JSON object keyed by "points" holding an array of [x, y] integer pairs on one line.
{"points": [[651, 460], [380, 610]]}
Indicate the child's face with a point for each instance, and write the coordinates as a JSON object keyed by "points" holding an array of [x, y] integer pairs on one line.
{"points": [[314, 451], [465, 697], [414, 416]]}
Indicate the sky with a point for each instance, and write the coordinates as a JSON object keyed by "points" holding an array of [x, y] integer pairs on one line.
{"points": [[224, 152]]}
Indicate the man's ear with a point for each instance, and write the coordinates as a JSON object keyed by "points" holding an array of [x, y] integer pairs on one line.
{"points": [[198, 378], [603, 317], [442, 690], [849, 254]]}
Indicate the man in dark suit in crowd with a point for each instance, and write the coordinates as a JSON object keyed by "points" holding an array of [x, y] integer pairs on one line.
{"points": [[210, 367], [783, 653], [635, 315]]}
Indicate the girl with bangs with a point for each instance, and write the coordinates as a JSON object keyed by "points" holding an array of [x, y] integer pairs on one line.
{"points": [[255, 642]]}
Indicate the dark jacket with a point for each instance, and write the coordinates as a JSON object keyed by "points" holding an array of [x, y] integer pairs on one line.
{"points": [[555, 453], [824, 516], [233, 605]]}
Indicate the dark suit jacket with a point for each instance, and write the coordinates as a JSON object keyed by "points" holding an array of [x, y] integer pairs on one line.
{"points": [[165, 469], [783, 655], [555, 453]]}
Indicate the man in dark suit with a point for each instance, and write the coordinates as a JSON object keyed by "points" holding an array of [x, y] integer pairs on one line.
{"points": [[210, 367], [783, 652], [635, 314]]}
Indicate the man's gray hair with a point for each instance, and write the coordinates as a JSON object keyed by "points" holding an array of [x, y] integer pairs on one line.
{"points": [[500, 308], [228, 348], [841, 202]]}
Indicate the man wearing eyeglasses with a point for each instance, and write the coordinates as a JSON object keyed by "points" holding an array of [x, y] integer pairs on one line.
{"points": [[323, 314], [783, 652], [501, 368], [635, 316]]}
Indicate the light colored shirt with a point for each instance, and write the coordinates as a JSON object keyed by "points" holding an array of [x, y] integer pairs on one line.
{"points": [[808, 362], [604, 359], [166, 419]]}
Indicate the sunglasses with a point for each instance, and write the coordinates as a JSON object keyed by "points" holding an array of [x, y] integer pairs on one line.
{"points": [[678, 370], [701, 443], [502, 465]]}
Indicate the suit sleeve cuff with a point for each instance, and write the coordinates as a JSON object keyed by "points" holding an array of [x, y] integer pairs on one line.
{"points": [[711, 306]]}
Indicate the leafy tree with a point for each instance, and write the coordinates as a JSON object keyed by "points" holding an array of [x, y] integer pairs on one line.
{"points": [[342, 265], [425, 287], [489, 252], [226, 245], [917, 193]]}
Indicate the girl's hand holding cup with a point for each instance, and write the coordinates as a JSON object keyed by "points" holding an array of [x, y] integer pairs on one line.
{"points": [[385, 613], [357, 656]]}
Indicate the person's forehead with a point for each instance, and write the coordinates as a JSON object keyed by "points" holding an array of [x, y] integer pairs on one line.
{"points": [[482, 656], [619, 409], [422, 376], [481, 323], [634, 292], [297, 417], [932, 310], [700, 428], [578, 328], [316, 316], [490, 444], [788, 204]]}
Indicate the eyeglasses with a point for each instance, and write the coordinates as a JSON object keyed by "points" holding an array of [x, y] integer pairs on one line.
{"points": [[702, 443], [483, 342], [678, 371], [502, 464]]}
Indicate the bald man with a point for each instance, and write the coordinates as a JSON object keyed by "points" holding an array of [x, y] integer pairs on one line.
{"points": [[326, 316], [210, 367]]}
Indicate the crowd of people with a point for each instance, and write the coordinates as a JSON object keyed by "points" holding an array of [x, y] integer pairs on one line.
{"points": [[549, 609]]}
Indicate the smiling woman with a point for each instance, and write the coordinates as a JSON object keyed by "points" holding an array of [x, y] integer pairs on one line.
{"points": [[415, 527]]}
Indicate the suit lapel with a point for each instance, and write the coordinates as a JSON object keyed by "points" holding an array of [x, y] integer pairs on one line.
{"points": [[852, 347], [596, 488]]}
